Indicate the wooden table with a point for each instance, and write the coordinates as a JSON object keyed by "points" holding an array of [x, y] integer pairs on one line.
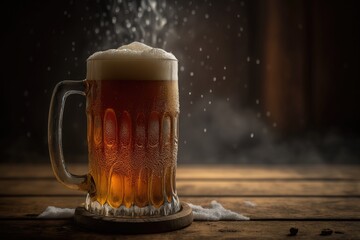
{"points": [[307, 197]]}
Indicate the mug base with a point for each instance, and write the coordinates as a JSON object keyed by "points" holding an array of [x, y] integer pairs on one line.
{"points": [[134, 225]]}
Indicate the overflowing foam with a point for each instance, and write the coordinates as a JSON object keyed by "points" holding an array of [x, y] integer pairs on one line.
{"points": [[135, 61]]}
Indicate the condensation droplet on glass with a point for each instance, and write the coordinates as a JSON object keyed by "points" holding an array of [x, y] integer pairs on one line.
{"points": [[182, 68], [191, 74], [257, 61], [268, 113], [248, 59], [252, 135], [257, 101]]}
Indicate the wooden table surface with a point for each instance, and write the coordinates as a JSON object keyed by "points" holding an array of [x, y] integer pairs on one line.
{"points": [[308, 197]]}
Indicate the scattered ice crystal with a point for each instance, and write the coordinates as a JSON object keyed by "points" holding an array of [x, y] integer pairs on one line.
{"points": [[56, 213], [216, 212], [250, 204]]}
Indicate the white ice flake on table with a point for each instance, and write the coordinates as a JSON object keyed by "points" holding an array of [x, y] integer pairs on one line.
{"points": [[216, 212], [55, 212]]}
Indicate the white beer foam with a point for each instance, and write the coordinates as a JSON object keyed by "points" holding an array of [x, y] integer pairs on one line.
{"points": [[135, 61]]}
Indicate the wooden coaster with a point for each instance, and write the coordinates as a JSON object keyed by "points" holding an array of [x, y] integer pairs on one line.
{"points": [[123, 225]]}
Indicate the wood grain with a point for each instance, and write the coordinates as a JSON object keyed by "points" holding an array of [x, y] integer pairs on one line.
{"points": [[202, 188], [309, 197], [335, 172], [65, 229]]}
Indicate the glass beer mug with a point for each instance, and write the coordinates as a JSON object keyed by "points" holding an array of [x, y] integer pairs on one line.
{"points": [[132, 107]]}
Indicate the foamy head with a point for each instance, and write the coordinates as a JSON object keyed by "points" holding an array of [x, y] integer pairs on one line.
{"points": [[135, 61]]}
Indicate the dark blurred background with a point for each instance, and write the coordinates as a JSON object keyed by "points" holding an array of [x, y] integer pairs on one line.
{"points": [[260, 81]]}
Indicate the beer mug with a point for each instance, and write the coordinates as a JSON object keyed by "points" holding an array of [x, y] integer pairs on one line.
{"points": [[132, 108]]}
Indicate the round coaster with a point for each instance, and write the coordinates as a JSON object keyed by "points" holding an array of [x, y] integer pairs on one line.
{"points": [[124, 225]]}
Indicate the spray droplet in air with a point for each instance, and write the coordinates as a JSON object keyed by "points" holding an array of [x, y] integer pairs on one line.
{"points": [[252, 135], [257, 61], [205, 130], [191, 74]]}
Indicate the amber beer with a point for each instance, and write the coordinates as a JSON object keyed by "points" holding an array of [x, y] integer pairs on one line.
{"points": [[132, 112], [132, 141]]}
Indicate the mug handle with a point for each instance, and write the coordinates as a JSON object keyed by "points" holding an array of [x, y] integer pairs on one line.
{"points": [[61, 92]]}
